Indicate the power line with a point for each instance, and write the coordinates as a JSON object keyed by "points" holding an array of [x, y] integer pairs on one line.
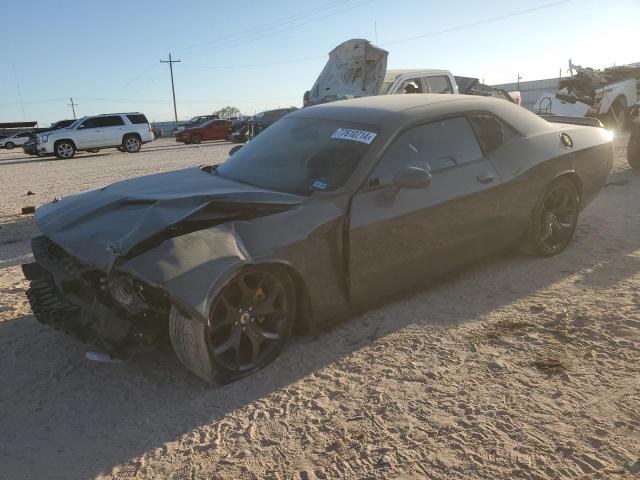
{"points": [[475, 24], [236, 43], [265, 26], [281, 62], [429, 34], [173, 89]]}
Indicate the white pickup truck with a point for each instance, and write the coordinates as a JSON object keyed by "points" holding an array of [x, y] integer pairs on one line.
{"points": [[356, 68], [589, 93]]}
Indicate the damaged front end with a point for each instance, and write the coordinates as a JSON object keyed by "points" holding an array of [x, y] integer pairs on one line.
{"points": [[114, 313], [112, 262]]}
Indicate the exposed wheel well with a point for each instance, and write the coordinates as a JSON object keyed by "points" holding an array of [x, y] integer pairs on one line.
{"points": [[65, 140], [303, 301], [576, 181], [127, 135]]}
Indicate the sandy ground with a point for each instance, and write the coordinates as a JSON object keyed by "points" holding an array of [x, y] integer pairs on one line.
{"points": [[516, 367]]}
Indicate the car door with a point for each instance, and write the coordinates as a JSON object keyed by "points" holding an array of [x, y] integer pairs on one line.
{"points": [[519, 190], [218, 130], [398, 237], [113, 129], [22, 138], [89, 133]]}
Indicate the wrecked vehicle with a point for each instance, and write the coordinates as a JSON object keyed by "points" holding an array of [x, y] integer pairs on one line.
{"points": [[308, 222], [252, 126], [591, 93], [356, 68]]}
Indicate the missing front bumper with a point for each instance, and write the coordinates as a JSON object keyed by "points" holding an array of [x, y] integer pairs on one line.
{"points": [[62, 295]]}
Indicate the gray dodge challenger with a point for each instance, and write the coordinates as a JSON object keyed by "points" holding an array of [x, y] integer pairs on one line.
{"points": [[328, 211]]}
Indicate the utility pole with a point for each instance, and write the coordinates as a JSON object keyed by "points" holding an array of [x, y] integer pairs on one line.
{"points": [[73, 107], [519, 78], [173, 89]]}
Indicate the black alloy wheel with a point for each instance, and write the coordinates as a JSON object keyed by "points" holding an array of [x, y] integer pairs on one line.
{"points": [[249, 320]]}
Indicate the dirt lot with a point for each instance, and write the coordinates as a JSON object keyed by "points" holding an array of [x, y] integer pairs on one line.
{"points": [[515, 368]]}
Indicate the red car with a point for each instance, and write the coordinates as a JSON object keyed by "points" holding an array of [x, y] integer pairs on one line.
{"points": [[211, 130]]}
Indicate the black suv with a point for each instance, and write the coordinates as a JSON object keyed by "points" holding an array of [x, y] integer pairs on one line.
{"points": [[30, 147]]}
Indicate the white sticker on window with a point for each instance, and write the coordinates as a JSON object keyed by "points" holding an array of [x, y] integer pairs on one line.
{"points": [[355, 135]]}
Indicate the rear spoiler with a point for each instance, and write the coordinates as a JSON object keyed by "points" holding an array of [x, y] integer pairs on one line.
{"points": [[586, 121]]}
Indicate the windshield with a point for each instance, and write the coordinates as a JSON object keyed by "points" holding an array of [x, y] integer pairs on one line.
{"points": [[76, 123], [300, 155]]}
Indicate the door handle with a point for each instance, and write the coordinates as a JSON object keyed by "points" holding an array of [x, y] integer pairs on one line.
{"points": [[485, 177]]}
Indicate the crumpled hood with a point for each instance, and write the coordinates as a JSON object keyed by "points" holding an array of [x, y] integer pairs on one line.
{"points": [[356, 68], [101, 225]]}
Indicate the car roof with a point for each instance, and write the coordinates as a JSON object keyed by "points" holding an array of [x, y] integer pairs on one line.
{"points": [[395, 111]]}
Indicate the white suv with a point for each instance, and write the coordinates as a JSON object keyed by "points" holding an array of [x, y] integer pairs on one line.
{"points": [[125, 131]]}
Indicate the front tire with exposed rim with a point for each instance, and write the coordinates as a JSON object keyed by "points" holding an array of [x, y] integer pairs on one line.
{"points": [[64, 149], [9, 145], [554, 220], [131, 144], [250, 321]]}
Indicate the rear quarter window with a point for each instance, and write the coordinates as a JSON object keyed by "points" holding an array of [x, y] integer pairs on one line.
{"points": [[137, 119]]}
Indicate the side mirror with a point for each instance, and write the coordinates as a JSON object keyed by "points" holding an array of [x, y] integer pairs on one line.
{"points": [[411, 177]]}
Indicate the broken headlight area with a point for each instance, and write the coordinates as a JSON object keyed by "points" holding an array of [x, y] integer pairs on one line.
{"points": [[116, 313]]}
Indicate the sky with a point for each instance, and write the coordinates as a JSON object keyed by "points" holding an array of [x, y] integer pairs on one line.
{"points": [[258, 55]]}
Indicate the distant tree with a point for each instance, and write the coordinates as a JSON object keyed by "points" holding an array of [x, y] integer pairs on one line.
{"points": [[228, 112]]}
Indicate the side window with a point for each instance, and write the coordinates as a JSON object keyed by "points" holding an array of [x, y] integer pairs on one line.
{"points": [[433, 146], [91, 123], [492, 132], [111, 121], [137, 118], [413, 85], [439, 84]]}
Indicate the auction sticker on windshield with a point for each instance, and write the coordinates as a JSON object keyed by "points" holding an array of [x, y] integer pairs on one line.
{"points": [[361, 136]]}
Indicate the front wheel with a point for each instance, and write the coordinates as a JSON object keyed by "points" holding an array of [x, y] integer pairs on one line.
{"points": [[250, 322], [9, 145], [196, 138], [65, 149], [554, 220], [132, 144]]}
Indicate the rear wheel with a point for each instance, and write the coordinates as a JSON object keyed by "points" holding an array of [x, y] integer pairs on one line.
{"points": [[251, 320], [554, 220], [196, 138], [64, 149], [131, 143], [9, 145]]}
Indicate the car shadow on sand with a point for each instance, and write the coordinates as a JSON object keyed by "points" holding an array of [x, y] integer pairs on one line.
{"points": [[65, 417]]}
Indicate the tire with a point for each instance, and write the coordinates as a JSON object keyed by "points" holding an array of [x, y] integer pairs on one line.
{"points": [[633, 147], [196, 138], [9, 145], [64, 149], [93, 150], [218, 353], [131, 143], [553, 220]]}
